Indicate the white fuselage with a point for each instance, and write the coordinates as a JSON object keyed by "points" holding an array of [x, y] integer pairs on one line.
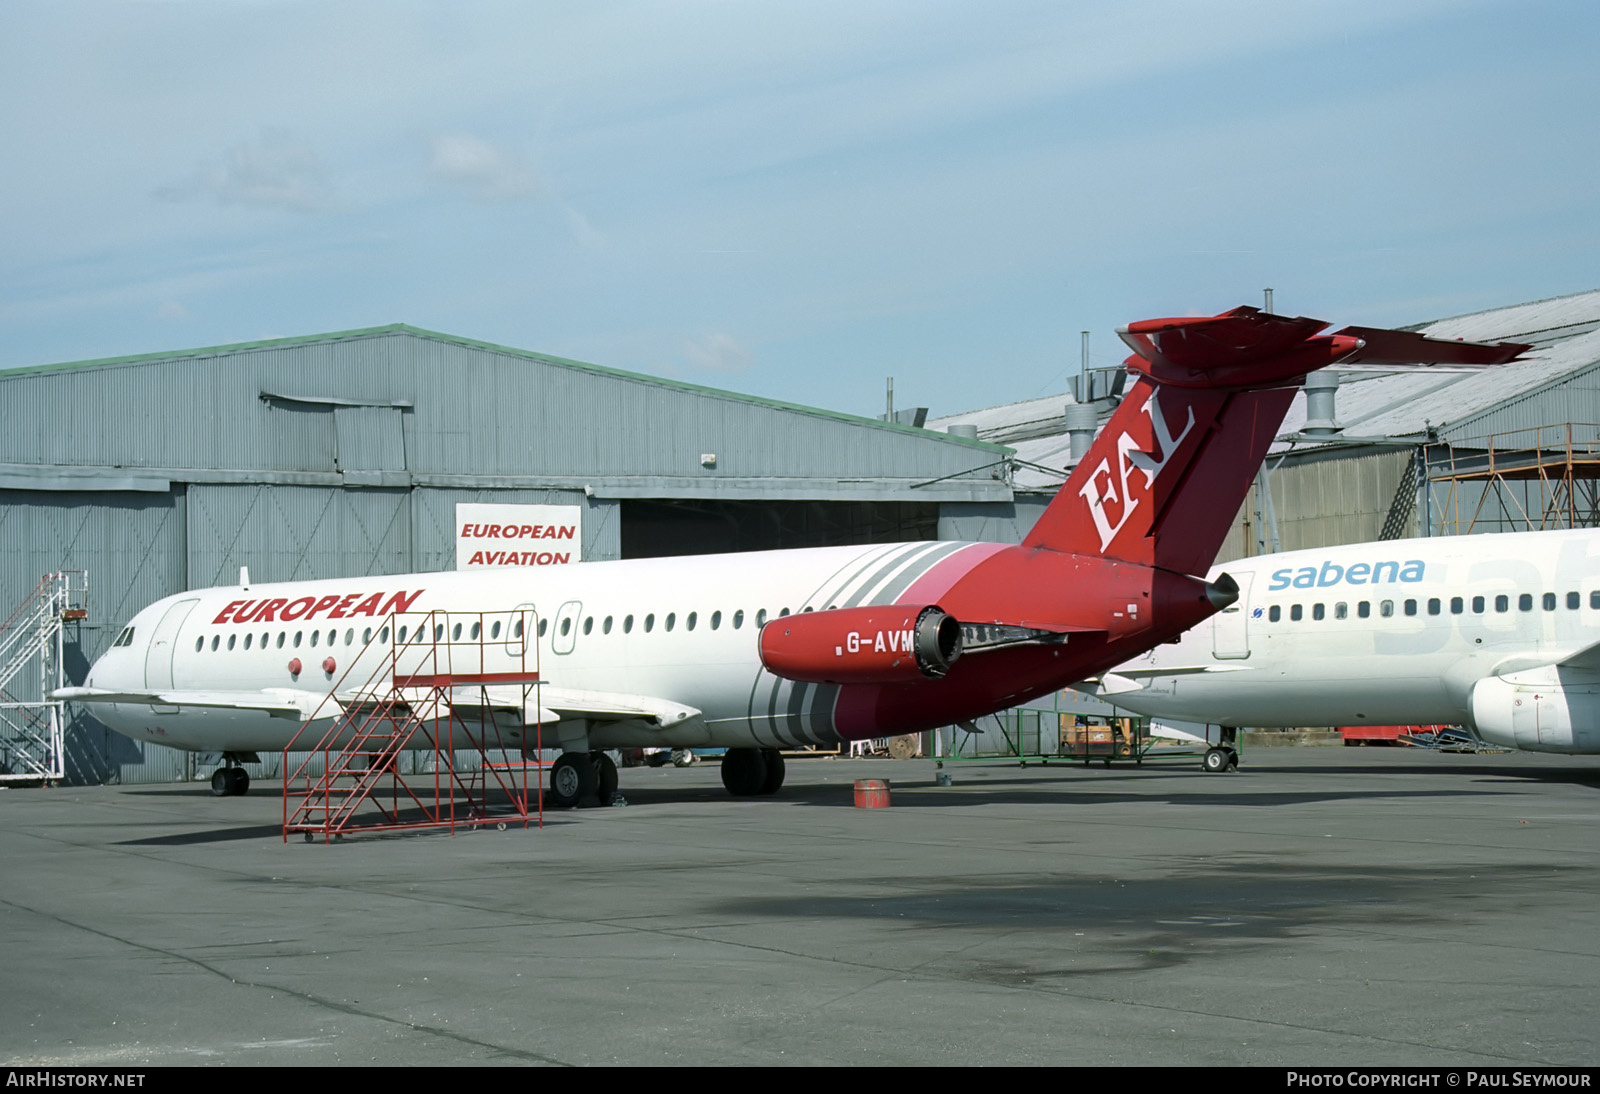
{"points": [[676, 630], [1486, 630]]}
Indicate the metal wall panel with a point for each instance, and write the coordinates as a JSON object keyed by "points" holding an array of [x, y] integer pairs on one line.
{"points": [[289, 533], [132, 547], [369, 438]]}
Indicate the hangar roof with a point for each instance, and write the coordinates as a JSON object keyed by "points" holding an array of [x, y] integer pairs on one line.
{"points": [[1564, 332], [396, 405]]}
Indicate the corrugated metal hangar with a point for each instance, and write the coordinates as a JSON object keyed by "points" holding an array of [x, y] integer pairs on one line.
{"points": [[348, 453], [1389, 455]]}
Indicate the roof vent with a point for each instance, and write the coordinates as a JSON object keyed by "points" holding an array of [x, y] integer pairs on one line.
{"points": [[1321, 388]]}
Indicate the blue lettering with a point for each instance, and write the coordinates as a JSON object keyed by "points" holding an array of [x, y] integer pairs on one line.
{"points": [[1306, 578], [1377, 572], [1357, 574], [1280, 579], [1413, 571], [1323, 578]]}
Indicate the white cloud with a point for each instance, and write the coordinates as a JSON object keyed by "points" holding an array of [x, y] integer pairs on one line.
{"points": [[718, 352], [171, 311], [273, 171], [479, 169]]}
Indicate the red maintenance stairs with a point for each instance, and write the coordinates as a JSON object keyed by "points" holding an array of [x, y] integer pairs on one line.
{"points": [[432, 725]]}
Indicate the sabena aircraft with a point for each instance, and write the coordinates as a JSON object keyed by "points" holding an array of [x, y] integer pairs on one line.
{"points": [[1500, 633], [766, 651]]}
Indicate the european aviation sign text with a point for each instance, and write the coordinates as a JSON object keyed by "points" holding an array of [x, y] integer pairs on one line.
{"points": [[497, 536]]}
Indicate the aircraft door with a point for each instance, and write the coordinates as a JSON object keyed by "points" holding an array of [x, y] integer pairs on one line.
{"points": [[524, 618], [163, 644], [1230, 628], [565, 627]]}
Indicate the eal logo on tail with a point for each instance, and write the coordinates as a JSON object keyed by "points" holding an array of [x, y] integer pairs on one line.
{"points": [[1104, 487]]}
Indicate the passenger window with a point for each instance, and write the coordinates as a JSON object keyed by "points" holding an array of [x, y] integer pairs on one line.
{"points": [[232, 638], [649, 622], [264, 636], [455, 632], [297, 635], [1594, 599], [605, 628], [544, 625], [1364, 609], [588, 625], [314, 636], [1341, 610], [688, 624], [199, 644], [1295, 612], [400, 639], [477, 630], [627, 624], [716, 620], [1411, 607], [383, 637], [516, 628], [216, 640], [494, 631], [1573, 601], [783, 612], [366, 637], [1477, 605], [1386, 608], [1525, 602], [1274, 614], [281, 635], [761, 618], [738, 619], [1457, 605], [247, 639], [1549, 602], [566, 627], [1502, 603], [1316, 611], [672, 618], [350, 636], [1433, 605]]}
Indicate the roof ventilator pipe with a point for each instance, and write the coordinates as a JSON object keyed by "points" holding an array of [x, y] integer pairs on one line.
{"points": [[1081, 420], [1321, 387], [962, 430]]}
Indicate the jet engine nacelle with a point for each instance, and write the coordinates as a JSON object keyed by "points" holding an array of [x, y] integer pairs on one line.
{"points": [[892, 644], [1538, 717]]}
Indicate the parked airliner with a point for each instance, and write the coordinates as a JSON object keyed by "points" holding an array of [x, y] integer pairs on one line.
{"points": [[765, 651], [1500, 633]]}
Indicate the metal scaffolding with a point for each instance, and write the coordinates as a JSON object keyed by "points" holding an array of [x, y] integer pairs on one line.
{"points": [[31, 745], [1528, 480], [461, 688]]}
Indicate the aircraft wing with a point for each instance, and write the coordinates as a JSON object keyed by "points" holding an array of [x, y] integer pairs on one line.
{"points": [[552, 704], [276, 702]]}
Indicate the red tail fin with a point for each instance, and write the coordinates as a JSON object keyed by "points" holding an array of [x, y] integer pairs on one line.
{"points": [[1165, 477]]}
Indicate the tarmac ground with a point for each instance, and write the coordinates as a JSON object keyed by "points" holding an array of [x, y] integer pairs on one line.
{"points": [[1321, 906]]}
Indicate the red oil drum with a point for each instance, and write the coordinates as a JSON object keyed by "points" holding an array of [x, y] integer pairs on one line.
{"points": [[872, 793]]}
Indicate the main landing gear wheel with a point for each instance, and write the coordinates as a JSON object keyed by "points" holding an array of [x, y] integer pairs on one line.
{"points": [[572, 779], [1218, 760], [744, 771], [605, 777], [774, 780], [229, 782]]}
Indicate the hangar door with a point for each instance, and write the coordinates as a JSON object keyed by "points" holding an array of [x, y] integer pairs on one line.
{"points": [[288, 533]]}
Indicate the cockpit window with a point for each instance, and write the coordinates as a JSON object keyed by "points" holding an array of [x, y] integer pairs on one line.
{"points": [[125, 638]]}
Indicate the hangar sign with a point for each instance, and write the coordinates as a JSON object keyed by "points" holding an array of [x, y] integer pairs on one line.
{"points": [[498, 536]]}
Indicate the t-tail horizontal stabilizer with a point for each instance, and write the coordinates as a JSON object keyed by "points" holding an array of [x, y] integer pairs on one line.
{"points": [[1165, 477]]}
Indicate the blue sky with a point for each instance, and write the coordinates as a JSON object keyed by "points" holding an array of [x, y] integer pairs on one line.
{"points": [[795, 200]]}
